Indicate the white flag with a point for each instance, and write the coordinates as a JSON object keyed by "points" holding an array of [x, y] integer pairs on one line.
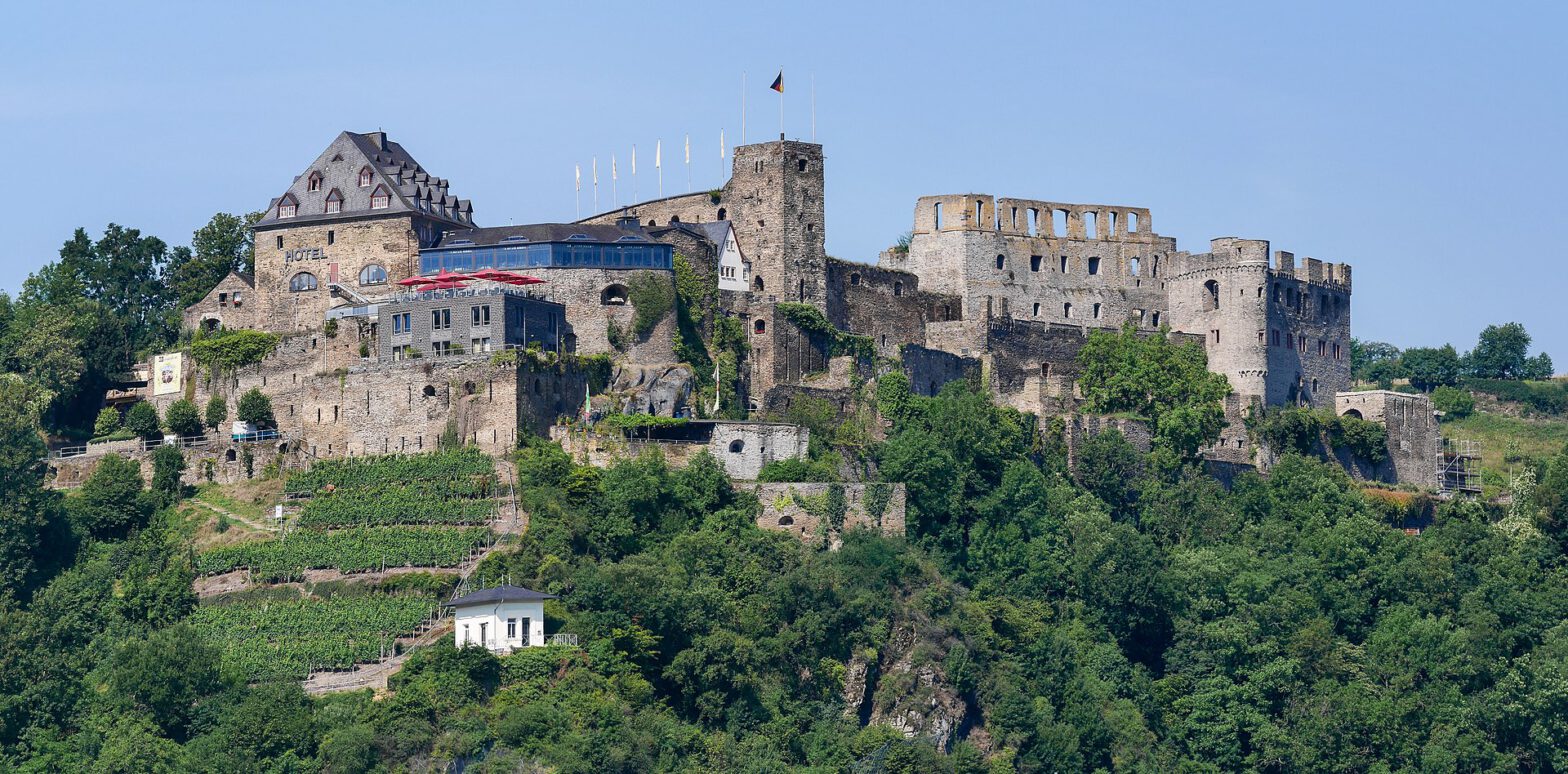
{"points": [[721, 145], [688, 149], [634, 159], [658, 151], [596, 170], [579, 169], [615, 172]]}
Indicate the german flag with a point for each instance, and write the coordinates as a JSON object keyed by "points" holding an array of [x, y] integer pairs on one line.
{"points": [[778, 83]]}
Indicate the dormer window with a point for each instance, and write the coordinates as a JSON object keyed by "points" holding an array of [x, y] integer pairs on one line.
{"points": [[334, 202], [314, 184], [288, 207], [381, 198], [364, 177]]}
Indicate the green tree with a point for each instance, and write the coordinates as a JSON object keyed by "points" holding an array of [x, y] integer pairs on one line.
{"points": [[1453, 402], [1109, 467], [109, 503], [225, 244], [107, 422], [256, 408], [1539, 367], [217, 411], [1166, 383], [142, 419], [168, 464], [182, 418], [1370, 361], [28, 511], [1431, 367], [165, 675], [1501, 353]]}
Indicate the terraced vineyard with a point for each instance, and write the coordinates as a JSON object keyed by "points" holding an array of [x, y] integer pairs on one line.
{"points": [[275, 640], [451, 467], [349, 550], [393, 504]]}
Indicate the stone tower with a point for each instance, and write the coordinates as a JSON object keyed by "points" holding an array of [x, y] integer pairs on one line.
{"points": [[774, 199], [1220, 295]]}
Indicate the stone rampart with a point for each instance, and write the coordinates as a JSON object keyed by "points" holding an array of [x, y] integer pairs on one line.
{"points": [[808, 511]]}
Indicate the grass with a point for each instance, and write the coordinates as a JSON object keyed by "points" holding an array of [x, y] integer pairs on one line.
{"points": [[251, 499], [1507, 442]]}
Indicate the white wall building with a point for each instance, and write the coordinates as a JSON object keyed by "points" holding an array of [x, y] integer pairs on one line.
{"points": [[501, 619]]}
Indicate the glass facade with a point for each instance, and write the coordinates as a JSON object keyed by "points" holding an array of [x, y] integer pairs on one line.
{"points": [[635, 255]]}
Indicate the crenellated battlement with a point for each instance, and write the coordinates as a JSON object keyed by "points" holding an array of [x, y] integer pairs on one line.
{"points": [[1032, 218], [1227, 253]]}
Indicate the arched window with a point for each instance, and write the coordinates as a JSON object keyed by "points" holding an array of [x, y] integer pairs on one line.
{"points": [[756, 284], [302, 281], [381, 198], [737, 446], [314, 183], [614, 295], [1132, 266], [1211, 295], [760, 326], [1001, 261], [288, 206], [786, 520], [801, 165], [722, 213], [334, 202], [1352, 413], [1067, 310], [365, 177], [373, 274]]}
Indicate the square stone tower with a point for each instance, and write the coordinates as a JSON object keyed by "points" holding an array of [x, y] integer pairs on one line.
{"points": [[774, 199]]}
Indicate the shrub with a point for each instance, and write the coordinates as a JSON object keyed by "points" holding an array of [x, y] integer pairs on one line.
{"points": [[1541, 397], [107, 422], [142, 420], [217, 411], [1454, 403], [256, 408], [1365, 439], [229, 350], [182, 418], [330, 328], [796, 471], [653, 297], [167, 466]]}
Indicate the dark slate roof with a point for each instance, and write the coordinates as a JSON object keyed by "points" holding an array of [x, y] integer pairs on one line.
{"points": [[537, 232], [500, 594], [412, 189]]}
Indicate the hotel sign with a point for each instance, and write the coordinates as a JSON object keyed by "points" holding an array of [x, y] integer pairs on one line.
{"points": [[303, 254]]}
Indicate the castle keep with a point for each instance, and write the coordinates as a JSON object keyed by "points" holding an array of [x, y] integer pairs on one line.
{"points": [[379, 355]]}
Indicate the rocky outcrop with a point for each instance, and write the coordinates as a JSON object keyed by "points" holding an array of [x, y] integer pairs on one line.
{"points": [[651, 389], [911, 693]]}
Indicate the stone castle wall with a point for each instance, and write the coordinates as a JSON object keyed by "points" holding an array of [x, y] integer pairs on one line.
{"points": [[782, 509], [351, 245], [743, 448], [1414, 438]]}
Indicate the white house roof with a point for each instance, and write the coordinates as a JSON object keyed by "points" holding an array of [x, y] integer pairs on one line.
{"points": [[500, 594]]}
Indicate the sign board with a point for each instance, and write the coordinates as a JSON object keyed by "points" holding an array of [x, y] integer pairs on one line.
{"points": [[168, 374]]}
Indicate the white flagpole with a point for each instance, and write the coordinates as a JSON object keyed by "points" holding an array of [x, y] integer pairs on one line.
{"points": [[721, 156], [716, 389], [781, 103], [688, 163], [658, 164], [596, 184], [578, 185]]}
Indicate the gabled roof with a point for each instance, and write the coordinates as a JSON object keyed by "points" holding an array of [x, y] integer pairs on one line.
{"points": [[500, 594], [413, 190]]}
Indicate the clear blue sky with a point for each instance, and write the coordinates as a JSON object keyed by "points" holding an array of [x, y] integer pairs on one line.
{"points": [[1420, 142]]}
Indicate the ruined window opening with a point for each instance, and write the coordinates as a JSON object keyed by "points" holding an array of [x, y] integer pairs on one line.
{"points": [[1034, 221], [1064, 264], [1067, 310], [759, 167], [1059, 223], [229, 455], [1096, 311], [1001, 261], [854, 279], [737, 446], [1132, 266], [884, 339], [722, 213], [1034, 262], [979, 205], [1090, 227], [1215, 334], [302, 281], [760, 326], [936, 216], [947, 312], [617, 294], [1014, 225], [786, 520], [1155, 320], [1211, 295], [429, 391], [898, 288], [1110, 228], [1094, 266], [756, 284], [1045, 370], [801, 165], [1132, 222], [1037, 309], [280, 241]]}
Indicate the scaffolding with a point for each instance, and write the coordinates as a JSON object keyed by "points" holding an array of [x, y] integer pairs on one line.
{"points": [[1459, 467]]}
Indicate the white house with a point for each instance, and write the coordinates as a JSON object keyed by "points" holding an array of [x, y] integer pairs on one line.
{"points": [[734, 271], [502, 618]]}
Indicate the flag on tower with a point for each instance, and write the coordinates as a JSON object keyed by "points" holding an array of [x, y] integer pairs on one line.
{"points": [[579, 170], [778, 83], [658, 151]]}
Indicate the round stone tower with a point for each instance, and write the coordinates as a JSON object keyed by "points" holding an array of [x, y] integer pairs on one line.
{"points": [[1222, 295]]}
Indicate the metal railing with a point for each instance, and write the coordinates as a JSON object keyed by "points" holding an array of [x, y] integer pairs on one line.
{"points": [[67, 452], [259, 435]]}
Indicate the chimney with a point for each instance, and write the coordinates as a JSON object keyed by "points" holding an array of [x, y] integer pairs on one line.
{"points": [[378, 139], [628, 223]]}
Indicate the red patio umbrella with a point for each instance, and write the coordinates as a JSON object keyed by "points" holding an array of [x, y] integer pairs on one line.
{"points": [[412, 281], [508, 277], [444, 285]]}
